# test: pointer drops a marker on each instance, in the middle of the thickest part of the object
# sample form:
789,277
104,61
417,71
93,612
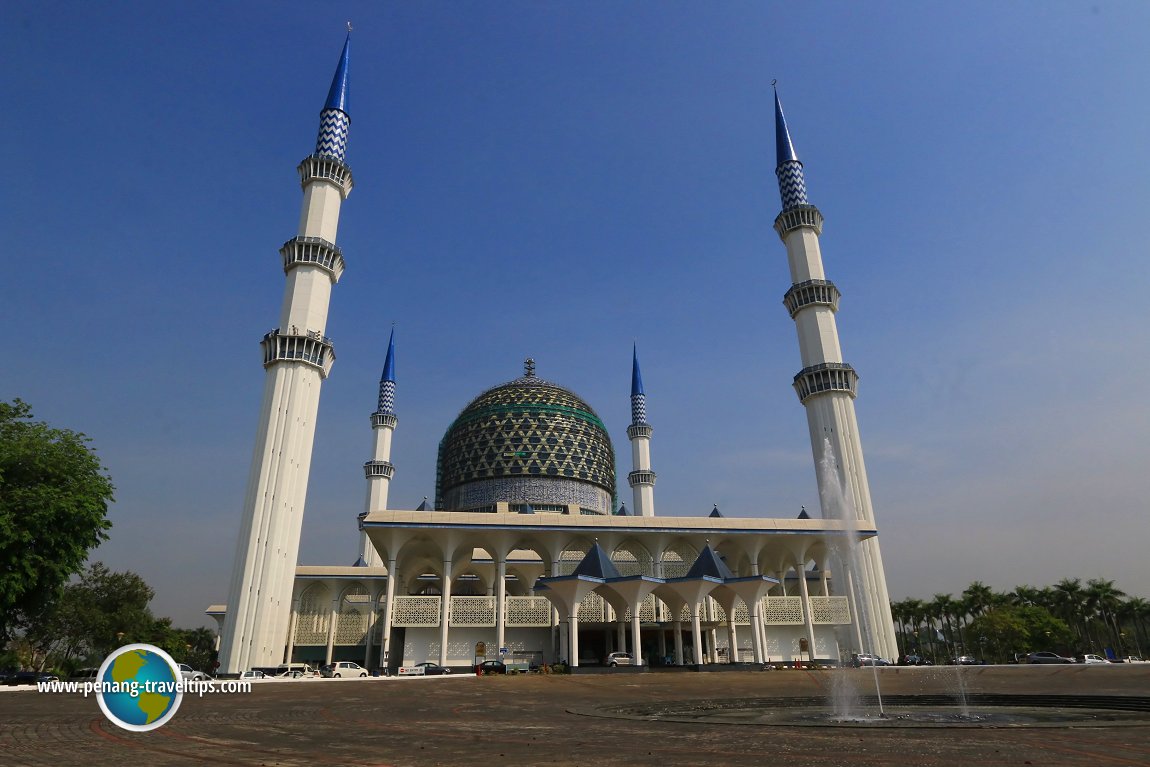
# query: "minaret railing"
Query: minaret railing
327,168
310,347
313,251
811,292
796,218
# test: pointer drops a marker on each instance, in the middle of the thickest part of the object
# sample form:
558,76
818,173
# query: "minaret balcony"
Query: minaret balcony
641,478
309,347
811,292
826,377
325,167
379,420
798,217
378,469
313,251
639,430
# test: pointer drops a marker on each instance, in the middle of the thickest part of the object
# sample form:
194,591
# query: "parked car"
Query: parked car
1047,657
965,660
341,669
433,669
620,659
253,675
914,660
1091,658
30,677
84,675
492,667
866,659
294,670
189,674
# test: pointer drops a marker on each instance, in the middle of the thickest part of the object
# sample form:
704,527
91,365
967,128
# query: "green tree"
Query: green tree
92,616
54,499
1020,629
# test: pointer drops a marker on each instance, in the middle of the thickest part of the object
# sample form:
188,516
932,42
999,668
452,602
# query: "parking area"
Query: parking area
525,720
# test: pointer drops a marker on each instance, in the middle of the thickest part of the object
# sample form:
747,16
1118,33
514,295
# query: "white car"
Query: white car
253,675
1093,659
343,668
620,659
189,674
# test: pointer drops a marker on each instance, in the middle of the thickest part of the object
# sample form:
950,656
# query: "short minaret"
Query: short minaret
297,356
379,469
826,385
642,479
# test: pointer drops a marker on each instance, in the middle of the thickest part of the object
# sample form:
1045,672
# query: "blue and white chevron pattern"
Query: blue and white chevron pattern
387,397
638,408
792,185
333,128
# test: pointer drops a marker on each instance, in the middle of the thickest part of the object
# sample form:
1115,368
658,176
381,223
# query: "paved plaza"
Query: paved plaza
528,720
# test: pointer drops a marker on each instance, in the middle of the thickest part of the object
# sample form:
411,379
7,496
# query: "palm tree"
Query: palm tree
1105,598
1134,612
979,598
1070,605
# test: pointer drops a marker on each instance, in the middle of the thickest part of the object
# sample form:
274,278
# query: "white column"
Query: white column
801,570
389,606
444,613
573,643
331,629
501,603
855,617
679,643
697,633
636,637
732,638
291,630
372,614
757,632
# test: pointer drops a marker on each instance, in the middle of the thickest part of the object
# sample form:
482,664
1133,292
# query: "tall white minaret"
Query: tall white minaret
298,355
826,385
379,469
642,479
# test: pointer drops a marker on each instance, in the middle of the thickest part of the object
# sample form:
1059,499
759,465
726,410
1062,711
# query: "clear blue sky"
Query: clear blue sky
561,179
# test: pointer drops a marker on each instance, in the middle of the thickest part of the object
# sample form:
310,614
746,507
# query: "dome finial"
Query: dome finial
529,368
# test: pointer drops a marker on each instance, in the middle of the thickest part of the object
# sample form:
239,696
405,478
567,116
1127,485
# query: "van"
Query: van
294,670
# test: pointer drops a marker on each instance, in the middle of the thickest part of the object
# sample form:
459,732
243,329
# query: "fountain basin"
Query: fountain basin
914,711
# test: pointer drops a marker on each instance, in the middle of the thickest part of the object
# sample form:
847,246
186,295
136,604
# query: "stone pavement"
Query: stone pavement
526,720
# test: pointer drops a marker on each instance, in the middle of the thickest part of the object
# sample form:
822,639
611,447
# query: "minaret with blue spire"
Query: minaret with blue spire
379,469
297,357
642,479
827,385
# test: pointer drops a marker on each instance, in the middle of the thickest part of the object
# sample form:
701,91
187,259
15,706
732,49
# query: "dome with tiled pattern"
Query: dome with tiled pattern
528,441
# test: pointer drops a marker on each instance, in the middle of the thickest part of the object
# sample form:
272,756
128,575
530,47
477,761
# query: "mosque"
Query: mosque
526,553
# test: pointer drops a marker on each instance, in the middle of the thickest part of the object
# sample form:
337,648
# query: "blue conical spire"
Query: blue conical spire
792,184
784,147
389,364
638,396
337,94
387,380
636,376
334,121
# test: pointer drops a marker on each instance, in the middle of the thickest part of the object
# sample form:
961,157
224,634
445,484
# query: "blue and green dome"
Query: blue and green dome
528,441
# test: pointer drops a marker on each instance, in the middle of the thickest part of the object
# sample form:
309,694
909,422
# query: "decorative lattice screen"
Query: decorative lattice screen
830,610
416,611
472,611
528,611
782,611
314,616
